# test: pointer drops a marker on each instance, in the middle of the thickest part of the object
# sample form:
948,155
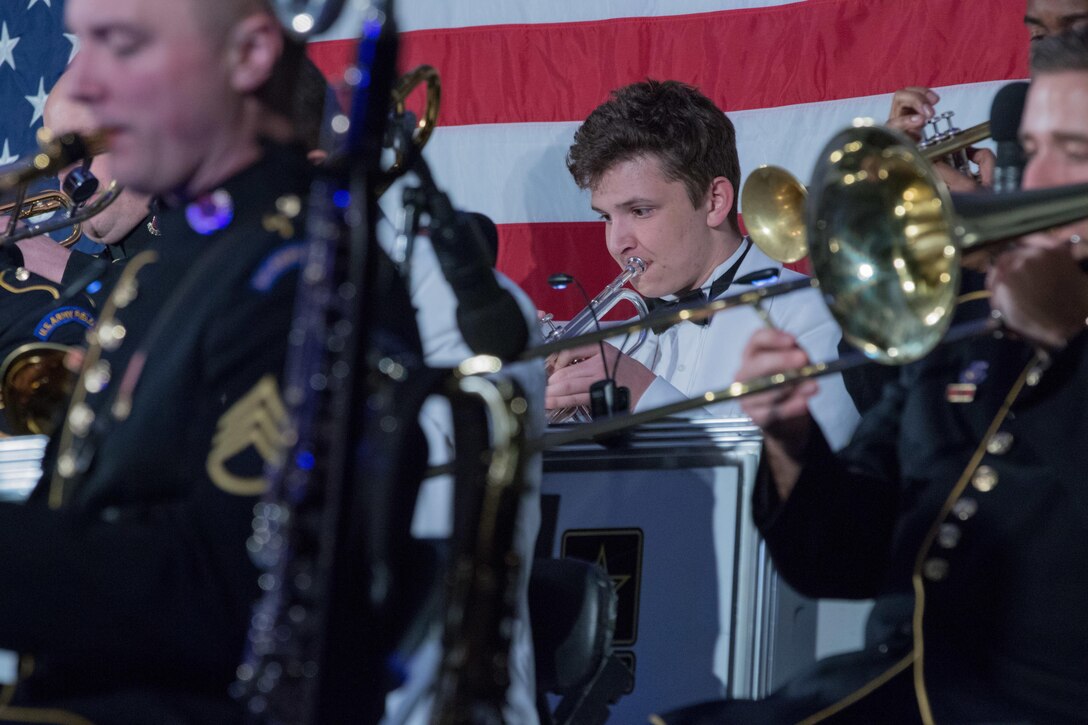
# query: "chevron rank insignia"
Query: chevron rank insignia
251,435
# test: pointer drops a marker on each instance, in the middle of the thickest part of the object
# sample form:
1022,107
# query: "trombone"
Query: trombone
773,199
886,240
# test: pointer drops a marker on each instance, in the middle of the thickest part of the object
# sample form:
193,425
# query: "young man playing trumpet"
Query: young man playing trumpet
960,503
660,161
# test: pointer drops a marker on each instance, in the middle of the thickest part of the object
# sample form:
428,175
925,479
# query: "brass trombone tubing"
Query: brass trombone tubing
81,215
738,390
669,318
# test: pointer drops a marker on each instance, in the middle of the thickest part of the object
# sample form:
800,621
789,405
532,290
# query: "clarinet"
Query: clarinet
315,649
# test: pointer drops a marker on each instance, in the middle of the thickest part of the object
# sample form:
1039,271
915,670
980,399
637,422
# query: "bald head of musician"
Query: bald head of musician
180,86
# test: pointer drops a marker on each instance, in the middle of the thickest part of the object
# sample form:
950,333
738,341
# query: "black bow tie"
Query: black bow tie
697,298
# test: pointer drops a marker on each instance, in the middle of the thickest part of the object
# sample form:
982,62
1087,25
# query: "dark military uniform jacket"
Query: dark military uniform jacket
970,529
127,579
35,310
968,526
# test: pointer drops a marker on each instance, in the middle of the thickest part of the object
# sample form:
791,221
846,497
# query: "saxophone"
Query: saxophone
340,500
482,580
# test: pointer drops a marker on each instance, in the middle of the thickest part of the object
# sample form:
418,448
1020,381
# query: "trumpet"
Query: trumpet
773,199
54,153
589,318
887,239
52,201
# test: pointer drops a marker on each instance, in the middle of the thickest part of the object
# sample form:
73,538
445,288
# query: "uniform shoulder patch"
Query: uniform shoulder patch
249,436
277,263
61,316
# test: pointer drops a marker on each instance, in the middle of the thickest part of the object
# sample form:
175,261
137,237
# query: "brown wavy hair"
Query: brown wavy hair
692,139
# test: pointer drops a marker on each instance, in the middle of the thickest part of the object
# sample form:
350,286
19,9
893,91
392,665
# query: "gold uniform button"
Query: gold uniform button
111,336
999,444
985,479
80,419
935,569
965,508
949,536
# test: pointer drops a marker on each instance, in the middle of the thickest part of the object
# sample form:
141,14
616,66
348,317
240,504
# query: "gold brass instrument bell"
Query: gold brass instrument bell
773,200
34,383
886,240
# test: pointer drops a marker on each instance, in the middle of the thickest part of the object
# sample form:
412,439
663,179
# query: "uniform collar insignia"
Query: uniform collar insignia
209,213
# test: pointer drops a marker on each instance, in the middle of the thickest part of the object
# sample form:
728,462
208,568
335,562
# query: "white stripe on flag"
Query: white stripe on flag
431,14
515,173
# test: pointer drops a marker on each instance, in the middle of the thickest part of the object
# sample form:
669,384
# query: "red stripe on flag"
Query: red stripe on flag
530,253
806,52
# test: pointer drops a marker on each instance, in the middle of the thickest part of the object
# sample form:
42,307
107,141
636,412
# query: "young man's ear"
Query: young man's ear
722,195
256,43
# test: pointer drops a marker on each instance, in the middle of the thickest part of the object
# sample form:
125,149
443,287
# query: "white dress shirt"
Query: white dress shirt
690,359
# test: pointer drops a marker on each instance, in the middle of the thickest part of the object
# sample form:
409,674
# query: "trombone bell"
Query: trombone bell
881,244
773,201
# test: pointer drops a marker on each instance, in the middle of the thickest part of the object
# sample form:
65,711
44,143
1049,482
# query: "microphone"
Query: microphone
488,316
605,397
1005,114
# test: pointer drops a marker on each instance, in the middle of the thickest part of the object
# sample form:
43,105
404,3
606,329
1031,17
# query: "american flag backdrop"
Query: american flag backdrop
519,75
34,49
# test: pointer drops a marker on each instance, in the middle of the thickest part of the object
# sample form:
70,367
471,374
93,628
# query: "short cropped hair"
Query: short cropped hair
1063,52
691,138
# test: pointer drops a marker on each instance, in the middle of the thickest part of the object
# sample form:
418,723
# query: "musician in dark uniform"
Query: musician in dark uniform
50,294
128,584
961,503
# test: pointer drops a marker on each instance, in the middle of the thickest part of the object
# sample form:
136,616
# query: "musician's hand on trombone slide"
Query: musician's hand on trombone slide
572,372
782,413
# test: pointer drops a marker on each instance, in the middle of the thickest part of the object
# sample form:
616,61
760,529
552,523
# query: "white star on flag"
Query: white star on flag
38,101
7,157
49,3
71,38
7,46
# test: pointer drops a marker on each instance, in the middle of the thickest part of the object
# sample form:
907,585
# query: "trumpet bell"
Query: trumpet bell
773,202
882,244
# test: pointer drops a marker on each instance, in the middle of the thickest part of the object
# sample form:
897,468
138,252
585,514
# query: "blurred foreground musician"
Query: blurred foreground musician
129,586
661,163
961,502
